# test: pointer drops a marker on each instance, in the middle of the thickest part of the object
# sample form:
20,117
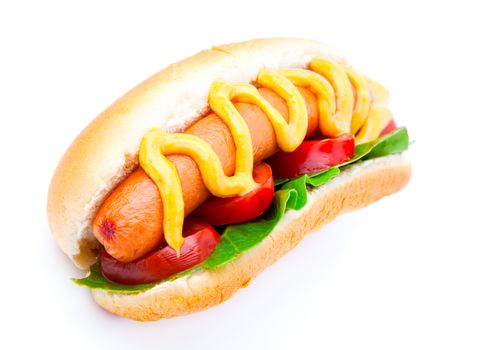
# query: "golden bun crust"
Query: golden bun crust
357,186
106,150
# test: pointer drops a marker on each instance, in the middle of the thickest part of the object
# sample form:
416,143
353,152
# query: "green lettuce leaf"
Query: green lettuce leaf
235,239
239,238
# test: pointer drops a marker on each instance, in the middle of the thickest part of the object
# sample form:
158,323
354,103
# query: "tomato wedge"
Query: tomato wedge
224,211
312,156
200,241
389,128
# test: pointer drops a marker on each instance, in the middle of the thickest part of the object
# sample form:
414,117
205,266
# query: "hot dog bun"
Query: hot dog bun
173,99
106,150
358,186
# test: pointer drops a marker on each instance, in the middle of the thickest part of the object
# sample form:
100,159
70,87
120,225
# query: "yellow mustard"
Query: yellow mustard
347,103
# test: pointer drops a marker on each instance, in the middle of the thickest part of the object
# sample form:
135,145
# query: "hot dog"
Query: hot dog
129,223
184,145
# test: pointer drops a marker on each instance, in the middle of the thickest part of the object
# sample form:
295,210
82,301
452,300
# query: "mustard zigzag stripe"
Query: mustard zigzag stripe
347,103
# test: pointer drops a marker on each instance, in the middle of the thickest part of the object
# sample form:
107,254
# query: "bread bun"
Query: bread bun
106,150
357,186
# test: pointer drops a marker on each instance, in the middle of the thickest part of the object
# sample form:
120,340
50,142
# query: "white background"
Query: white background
400,274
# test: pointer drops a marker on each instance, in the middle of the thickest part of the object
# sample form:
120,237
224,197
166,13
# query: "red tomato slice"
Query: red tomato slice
223,211
389,128
312,157
200,241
